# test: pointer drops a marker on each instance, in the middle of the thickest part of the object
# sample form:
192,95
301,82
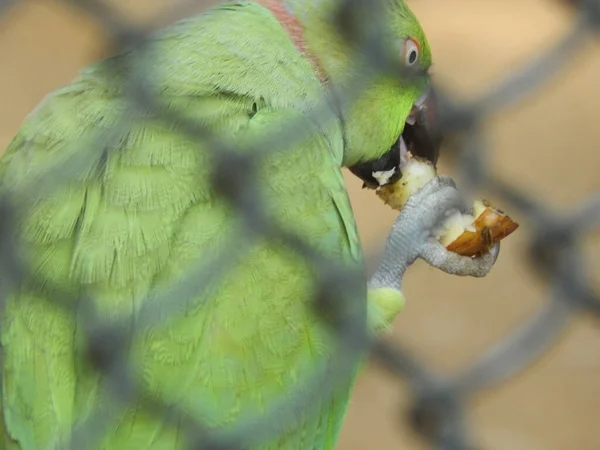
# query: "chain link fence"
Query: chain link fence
438,402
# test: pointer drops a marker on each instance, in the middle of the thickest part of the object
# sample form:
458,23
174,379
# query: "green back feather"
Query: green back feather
140,211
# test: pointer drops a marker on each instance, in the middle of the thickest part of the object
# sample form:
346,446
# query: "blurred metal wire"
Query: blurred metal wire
438,403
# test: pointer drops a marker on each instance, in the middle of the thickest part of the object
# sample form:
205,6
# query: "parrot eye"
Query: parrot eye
411,52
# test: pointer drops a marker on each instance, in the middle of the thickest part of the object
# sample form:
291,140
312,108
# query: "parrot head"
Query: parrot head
392,114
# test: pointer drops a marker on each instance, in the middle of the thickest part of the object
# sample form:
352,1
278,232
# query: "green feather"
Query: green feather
136,217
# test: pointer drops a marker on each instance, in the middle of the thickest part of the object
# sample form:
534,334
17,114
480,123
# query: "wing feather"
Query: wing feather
144,210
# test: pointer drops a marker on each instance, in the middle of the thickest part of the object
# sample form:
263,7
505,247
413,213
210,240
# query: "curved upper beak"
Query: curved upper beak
422,134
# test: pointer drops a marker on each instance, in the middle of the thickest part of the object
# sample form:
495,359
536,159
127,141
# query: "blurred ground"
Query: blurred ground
548,144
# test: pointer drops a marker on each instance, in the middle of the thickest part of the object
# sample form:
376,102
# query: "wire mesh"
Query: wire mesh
437,411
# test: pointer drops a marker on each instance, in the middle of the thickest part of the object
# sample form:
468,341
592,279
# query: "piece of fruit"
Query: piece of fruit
465,234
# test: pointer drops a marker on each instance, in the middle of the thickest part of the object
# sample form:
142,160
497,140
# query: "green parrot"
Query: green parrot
146,203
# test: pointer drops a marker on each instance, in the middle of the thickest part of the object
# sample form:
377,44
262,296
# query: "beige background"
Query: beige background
551,135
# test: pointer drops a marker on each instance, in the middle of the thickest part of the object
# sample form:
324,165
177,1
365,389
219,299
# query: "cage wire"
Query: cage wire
437,410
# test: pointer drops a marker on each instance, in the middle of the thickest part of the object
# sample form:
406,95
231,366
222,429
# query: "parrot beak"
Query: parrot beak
420,137
421,133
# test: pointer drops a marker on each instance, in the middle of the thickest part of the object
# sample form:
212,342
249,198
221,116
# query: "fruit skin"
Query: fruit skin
491,226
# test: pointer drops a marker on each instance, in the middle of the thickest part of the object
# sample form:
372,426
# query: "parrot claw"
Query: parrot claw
436,255
411,237
495,251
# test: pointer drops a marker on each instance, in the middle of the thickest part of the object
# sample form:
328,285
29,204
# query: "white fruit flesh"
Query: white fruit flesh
416,173
465,234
